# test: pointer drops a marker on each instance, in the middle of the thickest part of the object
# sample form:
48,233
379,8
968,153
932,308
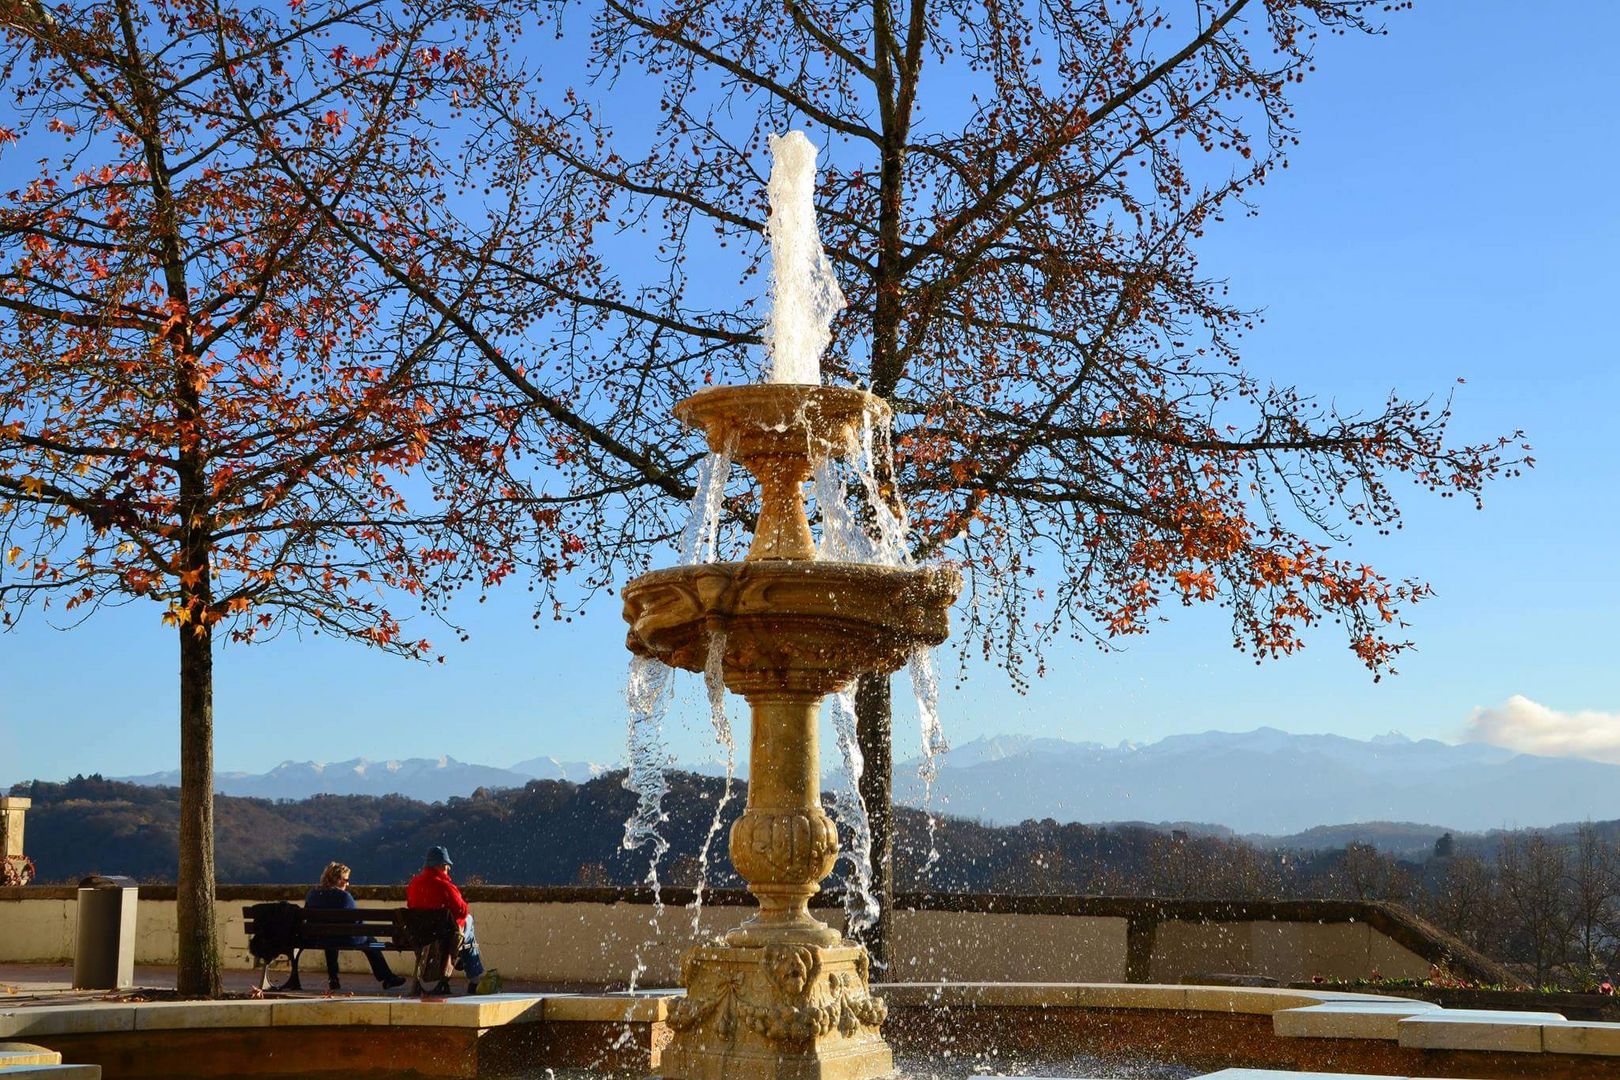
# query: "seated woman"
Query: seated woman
333,893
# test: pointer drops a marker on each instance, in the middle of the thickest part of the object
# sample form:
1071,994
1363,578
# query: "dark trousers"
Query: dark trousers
379,966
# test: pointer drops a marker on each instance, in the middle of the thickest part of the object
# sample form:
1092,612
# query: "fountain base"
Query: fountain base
776,1012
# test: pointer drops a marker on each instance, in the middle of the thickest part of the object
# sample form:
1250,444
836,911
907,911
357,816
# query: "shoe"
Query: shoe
441,990
393,981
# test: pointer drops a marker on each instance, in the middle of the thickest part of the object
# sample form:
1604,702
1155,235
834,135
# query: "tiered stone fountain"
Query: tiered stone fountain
784,996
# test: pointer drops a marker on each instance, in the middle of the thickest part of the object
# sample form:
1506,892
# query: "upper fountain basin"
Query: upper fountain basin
775,419
796,625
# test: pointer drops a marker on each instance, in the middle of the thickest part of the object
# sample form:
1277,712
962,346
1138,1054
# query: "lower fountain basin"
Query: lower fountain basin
815,624
941,1031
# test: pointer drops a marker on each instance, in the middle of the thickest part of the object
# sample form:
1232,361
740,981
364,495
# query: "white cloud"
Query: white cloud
1532,728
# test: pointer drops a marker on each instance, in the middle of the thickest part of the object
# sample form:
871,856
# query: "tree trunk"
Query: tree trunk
197,974
873,729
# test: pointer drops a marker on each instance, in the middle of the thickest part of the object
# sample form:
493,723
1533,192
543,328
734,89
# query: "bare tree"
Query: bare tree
1013,198
1464,903
1369,874
1594,897
1534,874
212,398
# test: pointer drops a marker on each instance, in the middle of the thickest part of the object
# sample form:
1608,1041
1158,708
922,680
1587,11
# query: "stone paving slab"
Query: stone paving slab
197,1015
1227,1074
1281,1074
14,1055
648,1007
78,1019
1259,1001
1477,1029
482,1011
1581,1037
55,1072
1349,1019
332,1012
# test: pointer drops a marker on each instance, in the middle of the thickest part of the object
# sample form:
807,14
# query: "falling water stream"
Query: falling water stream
715,686
646,696
849,809
700,537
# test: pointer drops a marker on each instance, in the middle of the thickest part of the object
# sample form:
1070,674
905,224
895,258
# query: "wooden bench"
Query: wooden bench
286,929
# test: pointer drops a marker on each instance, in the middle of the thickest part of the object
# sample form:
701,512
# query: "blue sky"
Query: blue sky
1450,214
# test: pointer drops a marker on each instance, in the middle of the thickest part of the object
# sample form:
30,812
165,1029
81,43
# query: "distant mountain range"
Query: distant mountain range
1269,782
423,779
1297,790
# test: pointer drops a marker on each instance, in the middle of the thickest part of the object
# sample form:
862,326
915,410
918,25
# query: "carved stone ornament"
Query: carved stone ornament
776,1012
795,847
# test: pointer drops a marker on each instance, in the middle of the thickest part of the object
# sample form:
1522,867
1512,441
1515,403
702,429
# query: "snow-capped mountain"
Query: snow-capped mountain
427,779
1266,781
1261,782
549,768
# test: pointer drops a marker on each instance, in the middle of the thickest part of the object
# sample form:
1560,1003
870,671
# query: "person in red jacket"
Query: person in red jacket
432,890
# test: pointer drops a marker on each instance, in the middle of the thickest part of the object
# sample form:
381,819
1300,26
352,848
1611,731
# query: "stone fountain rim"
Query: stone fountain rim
847,400
787,568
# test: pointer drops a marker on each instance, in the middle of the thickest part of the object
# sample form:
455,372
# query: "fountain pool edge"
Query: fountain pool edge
1206,1027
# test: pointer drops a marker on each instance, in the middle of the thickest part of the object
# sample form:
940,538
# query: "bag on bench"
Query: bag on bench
275,934
434,936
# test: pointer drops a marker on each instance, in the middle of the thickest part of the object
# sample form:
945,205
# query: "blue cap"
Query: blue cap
438,856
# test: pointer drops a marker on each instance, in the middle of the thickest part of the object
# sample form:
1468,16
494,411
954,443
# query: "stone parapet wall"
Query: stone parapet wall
585,936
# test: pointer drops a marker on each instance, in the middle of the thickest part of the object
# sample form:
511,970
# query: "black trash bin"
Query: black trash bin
104,958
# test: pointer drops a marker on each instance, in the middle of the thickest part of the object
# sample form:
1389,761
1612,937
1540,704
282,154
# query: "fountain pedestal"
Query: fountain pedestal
784,996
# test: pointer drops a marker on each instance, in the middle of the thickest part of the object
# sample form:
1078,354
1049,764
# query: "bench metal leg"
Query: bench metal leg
416,975
292,982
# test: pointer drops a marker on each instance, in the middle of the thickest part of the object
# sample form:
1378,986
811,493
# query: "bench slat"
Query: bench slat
333,928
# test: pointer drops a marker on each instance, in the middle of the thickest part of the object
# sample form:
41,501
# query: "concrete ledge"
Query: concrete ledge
1018,994
332,1012
1251,1001
1279,1074
487,1011
1243,1000
1348,1019
14,1055
1577,1037
195,1015
66,1020
648,1007
55,1072
1259,1001
1509,1032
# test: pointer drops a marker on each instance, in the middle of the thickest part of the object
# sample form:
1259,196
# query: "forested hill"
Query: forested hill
554,832
547,833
